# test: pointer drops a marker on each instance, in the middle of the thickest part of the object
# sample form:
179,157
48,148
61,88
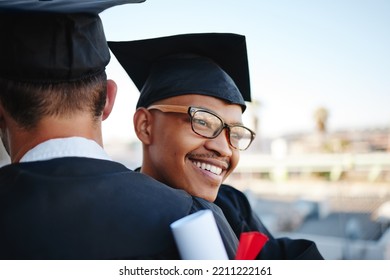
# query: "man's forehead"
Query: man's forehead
194,97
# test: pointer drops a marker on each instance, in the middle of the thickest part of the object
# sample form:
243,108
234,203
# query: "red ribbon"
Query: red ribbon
250,245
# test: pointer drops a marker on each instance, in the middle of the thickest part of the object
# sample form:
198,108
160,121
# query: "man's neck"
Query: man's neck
53,128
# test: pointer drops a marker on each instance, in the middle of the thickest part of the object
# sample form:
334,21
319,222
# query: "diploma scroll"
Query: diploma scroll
198,238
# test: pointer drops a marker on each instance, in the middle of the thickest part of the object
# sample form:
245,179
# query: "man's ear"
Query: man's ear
143,121
110,99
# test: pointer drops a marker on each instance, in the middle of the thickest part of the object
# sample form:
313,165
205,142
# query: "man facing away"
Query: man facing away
62,197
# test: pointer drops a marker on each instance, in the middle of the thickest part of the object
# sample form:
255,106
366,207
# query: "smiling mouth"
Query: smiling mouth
208,167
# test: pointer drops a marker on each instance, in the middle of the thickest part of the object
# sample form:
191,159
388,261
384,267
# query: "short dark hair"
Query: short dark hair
29,102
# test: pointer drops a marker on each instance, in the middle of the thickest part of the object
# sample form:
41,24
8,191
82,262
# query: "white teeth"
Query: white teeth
212,168
216,170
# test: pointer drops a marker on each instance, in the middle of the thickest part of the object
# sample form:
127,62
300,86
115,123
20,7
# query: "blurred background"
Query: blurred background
320,165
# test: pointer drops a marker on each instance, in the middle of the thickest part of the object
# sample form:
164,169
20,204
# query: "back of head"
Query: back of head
28,102
52,53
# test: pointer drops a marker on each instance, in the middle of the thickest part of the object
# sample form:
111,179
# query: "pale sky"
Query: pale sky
302,54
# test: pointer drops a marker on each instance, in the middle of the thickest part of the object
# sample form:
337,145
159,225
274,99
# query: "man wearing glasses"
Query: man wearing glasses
205,147
189,120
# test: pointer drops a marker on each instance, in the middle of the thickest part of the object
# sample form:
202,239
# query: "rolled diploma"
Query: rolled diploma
198,238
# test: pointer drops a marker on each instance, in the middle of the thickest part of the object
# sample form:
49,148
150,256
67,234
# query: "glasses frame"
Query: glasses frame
191,110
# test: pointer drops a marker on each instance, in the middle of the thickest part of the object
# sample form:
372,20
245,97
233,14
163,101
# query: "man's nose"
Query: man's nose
220,144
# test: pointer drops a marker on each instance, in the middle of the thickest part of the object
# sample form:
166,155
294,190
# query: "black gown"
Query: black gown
83,208
241,218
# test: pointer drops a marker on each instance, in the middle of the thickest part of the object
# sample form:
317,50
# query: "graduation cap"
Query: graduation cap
213,64
53,40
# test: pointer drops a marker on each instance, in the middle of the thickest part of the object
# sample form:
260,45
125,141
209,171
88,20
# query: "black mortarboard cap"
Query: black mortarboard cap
53,40
213,64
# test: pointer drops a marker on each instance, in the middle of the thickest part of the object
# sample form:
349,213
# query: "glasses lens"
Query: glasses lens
206,124
240,137
209,125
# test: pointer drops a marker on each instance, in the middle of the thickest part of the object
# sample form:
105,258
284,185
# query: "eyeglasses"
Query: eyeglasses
210,125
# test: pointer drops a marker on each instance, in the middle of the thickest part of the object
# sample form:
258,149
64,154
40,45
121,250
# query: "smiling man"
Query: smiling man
189,119
195,142
189,114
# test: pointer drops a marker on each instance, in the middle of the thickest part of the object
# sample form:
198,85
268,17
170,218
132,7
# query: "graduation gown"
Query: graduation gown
83,208
241,218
